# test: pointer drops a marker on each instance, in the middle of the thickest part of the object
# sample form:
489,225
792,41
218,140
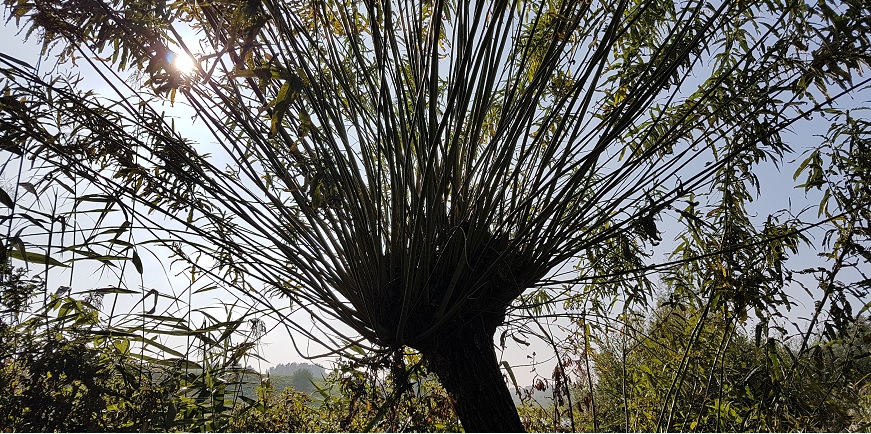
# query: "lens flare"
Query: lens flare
182,62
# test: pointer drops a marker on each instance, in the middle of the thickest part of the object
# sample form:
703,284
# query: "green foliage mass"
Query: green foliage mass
62,374
58,375
62,371
731,383
718,378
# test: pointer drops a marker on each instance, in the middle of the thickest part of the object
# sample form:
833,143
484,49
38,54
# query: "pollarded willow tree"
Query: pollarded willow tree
410,169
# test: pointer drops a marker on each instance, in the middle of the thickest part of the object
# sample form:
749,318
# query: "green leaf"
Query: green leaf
5,199
183,363
29,187
153,343
137,262
163,318
511,375
281,103
122,345
824,203
112,333
322,391
35,258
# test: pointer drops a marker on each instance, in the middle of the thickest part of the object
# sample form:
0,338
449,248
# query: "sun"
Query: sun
182,62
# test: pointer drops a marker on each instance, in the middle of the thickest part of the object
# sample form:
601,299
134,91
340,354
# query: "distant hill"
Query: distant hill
316,371
298,376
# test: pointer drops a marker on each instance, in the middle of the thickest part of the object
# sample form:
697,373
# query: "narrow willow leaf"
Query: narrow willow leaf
35,258
163,318
153,343
511,375
5,199
29,187
137,262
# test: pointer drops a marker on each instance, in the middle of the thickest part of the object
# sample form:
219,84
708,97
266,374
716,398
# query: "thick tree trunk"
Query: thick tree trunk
466,364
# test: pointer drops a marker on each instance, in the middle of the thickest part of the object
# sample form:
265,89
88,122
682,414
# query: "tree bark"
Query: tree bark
465,362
